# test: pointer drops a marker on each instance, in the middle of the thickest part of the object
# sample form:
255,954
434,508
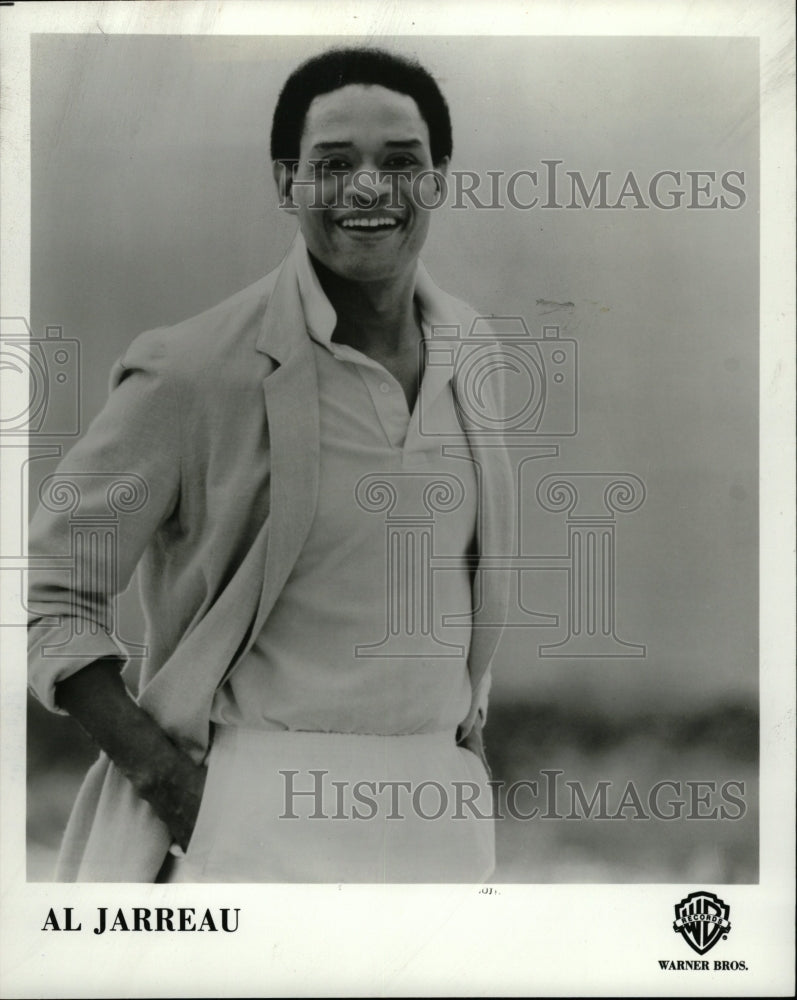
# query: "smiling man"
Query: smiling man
312,701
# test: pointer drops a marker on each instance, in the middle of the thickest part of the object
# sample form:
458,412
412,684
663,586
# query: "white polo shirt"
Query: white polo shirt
311,667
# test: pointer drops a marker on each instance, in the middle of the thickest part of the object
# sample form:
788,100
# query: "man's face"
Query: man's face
364,148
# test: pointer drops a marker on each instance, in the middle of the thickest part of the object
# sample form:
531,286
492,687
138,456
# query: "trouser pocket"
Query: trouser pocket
210,809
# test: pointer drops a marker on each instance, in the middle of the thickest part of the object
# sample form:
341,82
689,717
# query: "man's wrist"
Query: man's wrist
99,701
161,772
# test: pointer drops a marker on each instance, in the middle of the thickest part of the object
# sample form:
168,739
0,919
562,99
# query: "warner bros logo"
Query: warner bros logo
702,920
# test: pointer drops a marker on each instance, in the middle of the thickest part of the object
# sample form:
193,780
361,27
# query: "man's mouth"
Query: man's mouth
370,223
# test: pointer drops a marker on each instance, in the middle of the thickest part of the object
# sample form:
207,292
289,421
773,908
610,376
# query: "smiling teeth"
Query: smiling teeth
367,223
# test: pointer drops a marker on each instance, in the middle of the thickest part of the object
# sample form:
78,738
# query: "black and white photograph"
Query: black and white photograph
397,533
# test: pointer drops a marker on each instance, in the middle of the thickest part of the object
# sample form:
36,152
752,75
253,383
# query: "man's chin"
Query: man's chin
371,265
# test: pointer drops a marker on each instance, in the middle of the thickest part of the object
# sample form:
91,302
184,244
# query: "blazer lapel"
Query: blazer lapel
291,397
292,411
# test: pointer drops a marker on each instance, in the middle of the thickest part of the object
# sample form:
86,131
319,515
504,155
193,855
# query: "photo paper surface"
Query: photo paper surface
615,214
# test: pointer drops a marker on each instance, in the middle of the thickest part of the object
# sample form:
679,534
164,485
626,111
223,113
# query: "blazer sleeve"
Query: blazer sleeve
97,513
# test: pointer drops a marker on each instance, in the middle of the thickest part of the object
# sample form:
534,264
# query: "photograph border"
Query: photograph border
410,940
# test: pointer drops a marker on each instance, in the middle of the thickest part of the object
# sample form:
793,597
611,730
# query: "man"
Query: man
252,434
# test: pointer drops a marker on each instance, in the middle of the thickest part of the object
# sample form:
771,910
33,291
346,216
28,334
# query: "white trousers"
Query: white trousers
329,807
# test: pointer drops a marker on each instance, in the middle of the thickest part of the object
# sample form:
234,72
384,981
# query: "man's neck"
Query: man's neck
375,317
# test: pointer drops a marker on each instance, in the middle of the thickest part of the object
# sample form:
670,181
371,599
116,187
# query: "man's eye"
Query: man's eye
400,162
334,163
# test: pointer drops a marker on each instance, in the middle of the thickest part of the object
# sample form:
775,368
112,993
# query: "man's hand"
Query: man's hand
474,742
176,796
159,771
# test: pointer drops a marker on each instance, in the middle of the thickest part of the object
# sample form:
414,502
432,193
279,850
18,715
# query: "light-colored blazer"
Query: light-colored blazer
213,425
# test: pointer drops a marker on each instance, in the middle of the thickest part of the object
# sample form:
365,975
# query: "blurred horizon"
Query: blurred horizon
522,741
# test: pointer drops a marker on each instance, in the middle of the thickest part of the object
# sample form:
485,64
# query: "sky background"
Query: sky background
152,200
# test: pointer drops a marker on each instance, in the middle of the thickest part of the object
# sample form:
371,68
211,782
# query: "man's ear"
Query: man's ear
283,177
442,166
441,170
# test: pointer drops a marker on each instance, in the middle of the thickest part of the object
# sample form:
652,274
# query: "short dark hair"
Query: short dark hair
340,67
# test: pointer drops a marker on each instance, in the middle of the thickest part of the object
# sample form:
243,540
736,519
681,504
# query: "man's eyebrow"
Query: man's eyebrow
343,144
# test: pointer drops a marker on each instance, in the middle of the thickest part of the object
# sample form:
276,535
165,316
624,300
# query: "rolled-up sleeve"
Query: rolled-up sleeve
97,514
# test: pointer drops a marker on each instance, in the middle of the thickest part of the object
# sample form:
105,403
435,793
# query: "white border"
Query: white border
527,940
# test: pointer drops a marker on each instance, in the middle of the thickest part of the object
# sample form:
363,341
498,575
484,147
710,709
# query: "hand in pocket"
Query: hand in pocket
177,799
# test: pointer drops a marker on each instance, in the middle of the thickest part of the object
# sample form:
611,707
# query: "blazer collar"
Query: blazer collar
281,333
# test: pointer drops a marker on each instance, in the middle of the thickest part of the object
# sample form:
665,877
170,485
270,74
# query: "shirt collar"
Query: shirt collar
320,316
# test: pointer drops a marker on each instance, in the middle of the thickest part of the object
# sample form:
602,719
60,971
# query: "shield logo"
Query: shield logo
702,920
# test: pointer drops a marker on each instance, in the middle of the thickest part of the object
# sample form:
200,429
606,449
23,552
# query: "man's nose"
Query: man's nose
366,188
